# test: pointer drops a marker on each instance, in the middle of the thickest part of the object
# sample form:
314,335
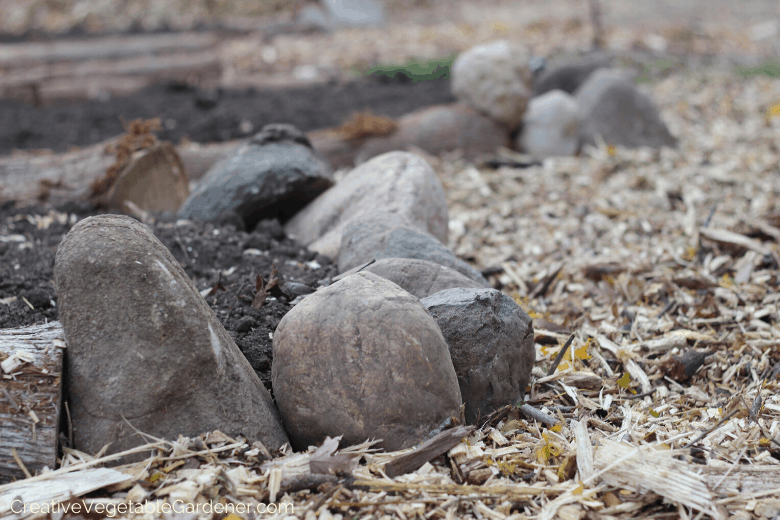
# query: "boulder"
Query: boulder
491,341
419,278
441,129
145,351
401,183
153,179
383,235
551,126
569,73
361,358
612,107
495,79
273,175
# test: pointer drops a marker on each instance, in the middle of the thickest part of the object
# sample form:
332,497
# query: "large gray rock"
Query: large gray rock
612,107
441,129
569,73
383,235
361,358
273,175
495,79
551,126
144,348
397,182
491,341
419,278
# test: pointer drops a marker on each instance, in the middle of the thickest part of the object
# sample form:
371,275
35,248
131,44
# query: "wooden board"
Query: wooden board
113,47
30,398
88,68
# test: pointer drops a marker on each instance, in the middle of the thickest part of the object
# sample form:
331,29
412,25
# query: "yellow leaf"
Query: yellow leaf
556,428
154,478
611,150
774,111
563,366
654,413
582,352
578,490
624,381
232,516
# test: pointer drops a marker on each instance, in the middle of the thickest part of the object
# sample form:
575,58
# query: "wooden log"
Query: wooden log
43,72
27,177
30,392
153,180
89,79
427,451
64,176
168,66
23,54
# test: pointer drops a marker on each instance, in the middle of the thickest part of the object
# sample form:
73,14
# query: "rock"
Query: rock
273,175
361,358
383,235
612,107
568,74
354,12
420,278
495,79
338,151
154,179
144,346
341,144
440,129
491,341
551,126
396,182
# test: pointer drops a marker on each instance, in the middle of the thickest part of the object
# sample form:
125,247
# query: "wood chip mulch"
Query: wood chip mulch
664,267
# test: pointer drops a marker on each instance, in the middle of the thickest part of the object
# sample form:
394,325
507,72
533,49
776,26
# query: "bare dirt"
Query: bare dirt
210,115
211,255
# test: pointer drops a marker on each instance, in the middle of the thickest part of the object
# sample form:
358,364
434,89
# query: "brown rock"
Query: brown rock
144,348
491,341
419,278
440,129
361,358
154,179
398,182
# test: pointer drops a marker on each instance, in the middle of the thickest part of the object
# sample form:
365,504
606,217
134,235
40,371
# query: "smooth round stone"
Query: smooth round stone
363,359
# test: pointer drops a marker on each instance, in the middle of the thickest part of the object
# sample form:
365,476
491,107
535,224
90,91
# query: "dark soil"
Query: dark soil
211,115
210,254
